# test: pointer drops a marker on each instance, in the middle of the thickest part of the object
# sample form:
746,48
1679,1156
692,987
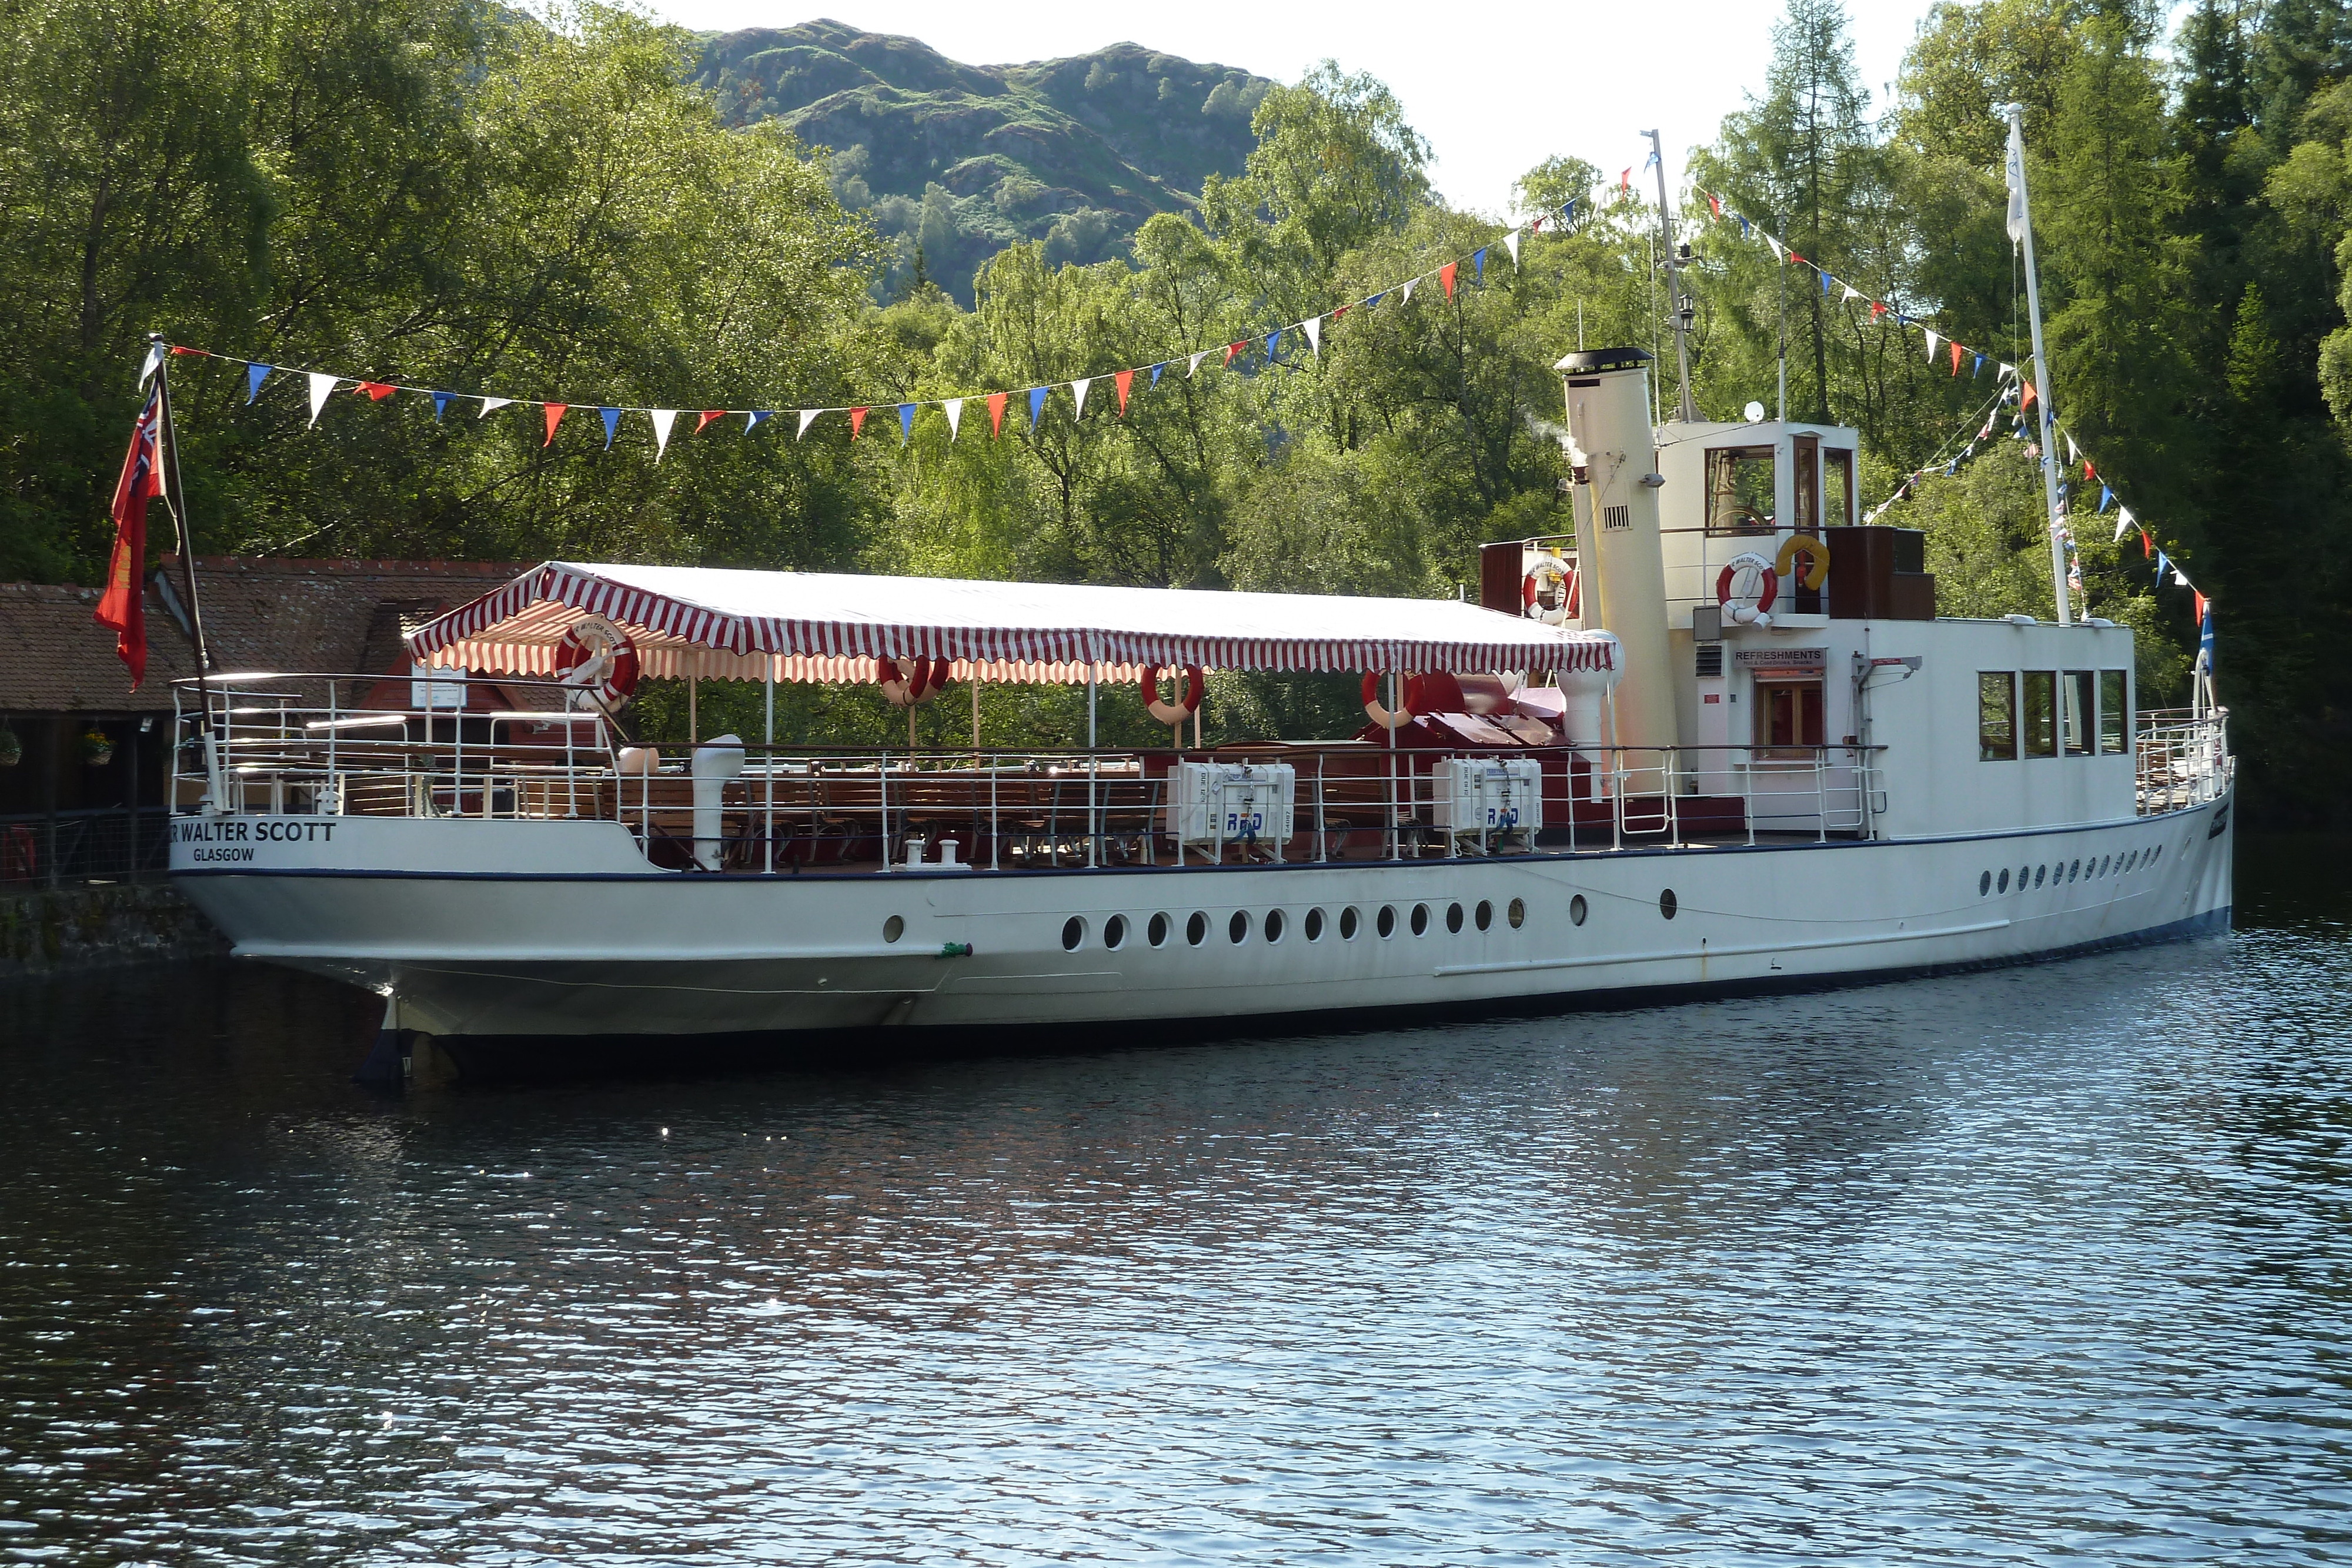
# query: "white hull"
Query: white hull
578,937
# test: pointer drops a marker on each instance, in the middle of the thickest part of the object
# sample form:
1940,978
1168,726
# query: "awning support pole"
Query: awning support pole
1094,816
767,739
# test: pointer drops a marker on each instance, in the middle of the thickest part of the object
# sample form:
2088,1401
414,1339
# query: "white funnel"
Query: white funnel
1617,545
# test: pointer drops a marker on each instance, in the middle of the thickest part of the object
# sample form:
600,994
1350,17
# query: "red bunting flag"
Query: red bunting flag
709,416
1446,276
996,413
2146,546
1716,202
2028,402
1878,311
1124,379
1536,227
554,418
1626,183
856,423
1796,261
1231,349
123,606
375,391
1955,359
2088,473
1343,310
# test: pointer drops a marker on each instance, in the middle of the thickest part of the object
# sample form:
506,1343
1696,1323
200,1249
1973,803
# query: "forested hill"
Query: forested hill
963,161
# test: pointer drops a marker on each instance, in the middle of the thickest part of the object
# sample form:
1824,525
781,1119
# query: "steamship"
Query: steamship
1718,742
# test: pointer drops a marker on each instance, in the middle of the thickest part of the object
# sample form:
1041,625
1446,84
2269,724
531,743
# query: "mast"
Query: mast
2021,229
1677,301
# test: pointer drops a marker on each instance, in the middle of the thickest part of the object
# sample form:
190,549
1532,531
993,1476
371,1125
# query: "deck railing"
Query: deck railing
283,744
2183,759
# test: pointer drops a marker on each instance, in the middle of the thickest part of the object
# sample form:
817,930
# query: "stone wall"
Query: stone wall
97,925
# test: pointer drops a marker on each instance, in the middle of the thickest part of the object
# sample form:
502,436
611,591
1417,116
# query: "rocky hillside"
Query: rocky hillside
957,161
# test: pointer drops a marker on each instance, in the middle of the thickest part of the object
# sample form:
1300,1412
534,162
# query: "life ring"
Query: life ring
1817,559
1196,686
1739,609
1385,717
599,660
925,680
1531,592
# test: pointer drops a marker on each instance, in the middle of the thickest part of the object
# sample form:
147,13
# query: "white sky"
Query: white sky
1495,87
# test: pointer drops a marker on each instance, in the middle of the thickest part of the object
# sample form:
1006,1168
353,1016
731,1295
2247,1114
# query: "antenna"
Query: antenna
2021,229
1677,300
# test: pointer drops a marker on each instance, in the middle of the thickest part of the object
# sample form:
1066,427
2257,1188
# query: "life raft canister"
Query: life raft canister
1816,552
1196,686
924,679
1743,609
1386,718
600,660
1553,571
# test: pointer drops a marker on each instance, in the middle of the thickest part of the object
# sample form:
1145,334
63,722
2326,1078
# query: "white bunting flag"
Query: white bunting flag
1079,387
1932,341
954,406
1194,369
322,387
663,419
487,403
2074,453
1313,328
1851,292
1407,290
1775,245
808,417
2180,579
147,366
1511,243
2122,523
2006,371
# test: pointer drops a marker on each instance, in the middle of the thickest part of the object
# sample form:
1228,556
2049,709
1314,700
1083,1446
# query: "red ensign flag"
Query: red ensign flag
123,606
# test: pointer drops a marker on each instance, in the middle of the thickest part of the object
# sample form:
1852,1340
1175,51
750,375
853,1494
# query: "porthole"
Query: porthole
1274,925
1576,911
2004,879
1196,930
1454,918
2158,855
2074,871
1421,919
1074,931
1516,914
1485,914
1984,885
1313,924
1156,931
894,928
2106,865
1237,928
1668,903
2024,874
2038,873
1385,921
1115,931
1348,924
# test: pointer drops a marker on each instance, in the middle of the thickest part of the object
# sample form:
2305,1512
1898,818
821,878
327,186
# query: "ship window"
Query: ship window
1997,717
1074,931
1788,713
1576,911
1156,931
1739,498
2024,874
2040,872
1668,903
2076,713
1314,925
1385,922
1837,487
1454,918
2115,713
2004,879
1516,914
2074,871
1196,930
1485,915
1421,919
894,928
1274,925
1237,928
1115,931
1984,885
1348,924
2040,717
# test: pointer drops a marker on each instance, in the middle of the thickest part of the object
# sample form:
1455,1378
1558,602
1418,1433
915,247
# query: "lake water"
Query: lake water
2050,1264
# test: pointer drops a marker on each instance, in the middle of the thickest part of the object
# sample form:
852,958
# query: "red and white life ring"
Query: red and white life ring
1196,686
1385,717
600,660
1744,609
1555,572
925,679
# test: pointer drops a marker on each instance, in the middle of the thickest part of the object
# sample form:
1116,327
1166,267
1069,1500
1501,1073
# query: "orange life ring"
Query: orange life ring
1196,686
925,680
599,659
1384,717
1737,609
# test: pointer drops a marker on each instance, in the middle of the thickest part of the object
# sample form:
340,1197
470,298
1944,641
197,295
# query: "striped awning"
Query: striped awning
829,626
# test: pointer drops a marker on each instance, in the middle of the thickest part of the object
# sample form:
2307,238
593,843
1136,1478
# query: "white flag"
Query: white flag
1079,387
808,417
663,419
2016,182
1194,369
2122,523
1775,245
1511,243
954,406
1932,341
322,387
491,402
2074,453
1313,328
2180,579
147,366
1851,292
1407,290
2008,371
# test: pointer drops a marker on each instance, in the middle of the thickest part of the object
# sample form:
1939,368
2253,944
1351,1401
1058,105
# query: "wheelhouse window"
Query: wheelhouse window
2039,719
1788,715
1739,490
1805,490
2115,713
1997,715
1837,487
2078,695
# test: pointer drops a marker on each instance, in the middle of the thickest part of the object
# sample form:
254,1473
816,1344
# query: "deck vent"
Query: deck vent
1710,660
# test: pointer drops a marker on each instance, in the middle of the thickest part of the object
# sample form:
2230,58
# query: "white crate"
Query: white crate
1232,801
1487,795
